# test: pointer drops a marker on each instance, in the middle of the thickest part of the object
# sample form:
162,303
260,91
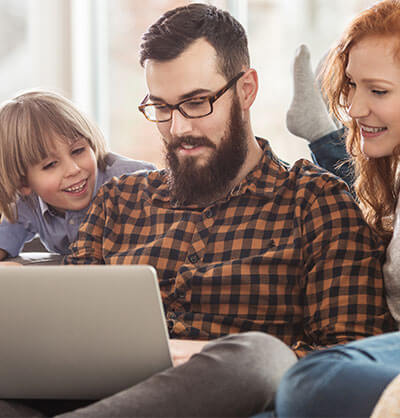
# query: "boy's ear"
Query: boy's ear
247,88
25,190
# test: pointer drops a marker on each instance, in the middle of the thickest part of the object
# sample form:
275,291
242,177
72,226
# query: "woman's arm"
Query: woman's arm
391,269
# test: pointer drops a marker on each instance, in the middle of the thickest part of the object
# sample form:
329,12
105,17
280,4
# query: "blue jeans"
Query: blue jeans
342,381
329,152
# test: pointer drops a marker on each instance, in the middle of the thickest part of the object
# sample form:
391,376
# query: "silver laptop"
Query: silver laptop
79,332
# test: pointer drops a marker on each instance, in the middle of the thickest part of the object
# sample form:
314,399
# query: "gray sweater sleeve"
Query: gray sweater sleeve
391,270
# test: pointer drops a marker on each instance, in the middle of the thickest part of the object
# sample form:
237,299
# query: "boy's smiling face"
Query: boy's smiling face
66,179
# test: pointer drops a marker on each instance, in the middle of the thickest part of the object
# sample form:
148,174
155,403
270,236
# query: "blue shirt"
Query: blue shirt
57,232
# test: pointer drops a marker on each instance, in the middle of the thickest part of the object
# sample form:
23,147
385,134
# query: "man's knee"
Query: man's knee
257,361
252,348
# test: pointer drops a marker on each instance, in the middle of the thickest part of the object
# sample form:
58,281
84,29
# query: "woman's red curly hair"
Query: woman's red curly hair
377,180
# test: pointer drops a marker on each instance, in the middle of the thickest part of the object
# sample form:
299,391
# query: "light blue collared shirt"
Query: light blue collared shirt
35,217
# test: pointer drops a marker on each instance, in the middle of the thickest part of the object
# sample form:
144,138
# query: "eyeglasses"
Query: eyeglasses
192,108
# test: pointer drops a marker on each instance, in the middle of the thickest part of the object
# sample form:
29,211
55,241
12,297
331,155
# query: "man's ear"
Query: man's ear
247,88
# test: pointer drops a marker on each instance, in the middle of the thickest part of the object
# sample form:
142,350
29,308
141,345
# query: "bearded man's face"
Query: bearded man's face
195,179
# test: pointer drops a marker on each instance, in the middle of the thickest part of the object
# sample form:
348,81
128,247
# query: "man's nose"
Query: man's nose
180,125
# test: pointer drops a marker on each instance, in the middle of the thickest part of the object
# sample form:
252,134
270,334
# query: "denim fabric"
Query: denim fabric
329,152
343,381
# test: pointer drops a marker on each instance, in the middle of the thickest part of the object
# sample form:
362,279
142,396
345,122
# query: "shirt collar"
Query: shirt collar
263,178
101,178
45,208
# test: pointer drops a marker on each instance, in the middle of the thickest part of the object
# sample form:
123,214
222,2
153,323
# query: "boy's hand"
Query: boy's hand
3,254
9,263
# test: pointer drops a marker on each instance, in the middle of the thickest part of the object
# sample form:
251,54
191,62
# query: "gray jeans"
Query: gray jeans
233,376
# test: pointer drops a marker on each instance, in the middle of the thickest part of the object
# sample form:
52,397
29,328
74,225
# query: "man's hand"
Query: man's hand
182,350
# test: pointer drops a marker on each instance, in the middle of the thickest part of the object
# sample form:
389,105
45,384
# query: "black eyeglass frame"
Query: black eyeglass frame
211,100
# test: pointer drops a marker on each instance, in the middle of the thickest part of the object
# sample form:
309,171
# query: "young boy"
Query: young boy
52,162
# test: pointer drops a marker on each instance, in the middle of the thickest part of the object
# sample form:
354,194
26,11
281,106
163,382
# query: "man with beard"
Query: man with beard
192,182
240,241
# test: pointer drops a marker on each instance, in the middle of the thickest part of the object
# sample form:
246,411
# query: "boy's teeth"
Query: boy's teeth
372,130
76,188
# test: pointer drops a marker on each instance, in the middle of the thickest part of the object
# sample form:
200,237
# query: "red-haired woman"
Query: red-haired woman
362,85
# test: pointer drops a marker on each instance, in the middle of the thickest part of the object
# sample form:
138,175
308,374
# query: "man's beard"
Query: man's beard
193,184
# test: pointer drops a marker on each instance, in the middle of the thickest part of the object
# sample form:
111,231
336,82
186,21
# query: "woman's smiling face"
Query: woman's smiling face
373,101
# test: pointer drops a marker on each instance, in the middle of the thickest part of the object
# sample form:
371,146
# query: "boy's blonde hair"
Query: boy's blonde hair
29,123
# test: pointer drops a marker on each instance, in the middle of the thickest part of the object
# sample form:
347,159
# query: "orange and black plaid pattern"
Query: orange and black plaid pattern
286,252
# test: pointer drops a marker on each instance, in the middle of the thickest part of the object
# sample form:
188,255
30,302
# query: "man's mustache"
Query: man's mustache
198,141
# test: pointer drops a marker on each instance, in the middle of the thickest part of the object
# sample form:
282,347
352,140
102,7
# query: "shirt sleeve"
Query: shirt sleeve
14,235
119,165
343,284
391,269
88,247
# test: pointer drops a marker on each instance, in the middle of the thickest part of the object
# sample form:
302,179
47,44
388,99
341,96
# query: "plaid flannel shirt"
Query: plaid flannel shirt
286,252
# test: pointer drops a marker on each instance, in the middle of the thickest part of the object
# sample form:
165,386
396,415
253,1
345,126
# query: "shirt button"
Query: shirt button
180,293
209,213
236,190
193,258
171,315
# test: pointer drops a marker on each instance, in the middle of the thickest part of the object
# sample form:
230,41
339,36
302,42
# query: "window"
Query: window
130,134
275,29
88,51
13,47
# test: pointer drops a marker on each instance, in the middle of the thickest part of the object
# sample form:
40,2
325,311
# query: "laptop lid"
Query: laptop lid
79,332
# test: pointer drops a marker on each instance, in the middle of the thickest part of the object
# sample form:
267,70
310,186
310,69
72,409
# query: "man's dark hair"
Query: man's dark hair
177,29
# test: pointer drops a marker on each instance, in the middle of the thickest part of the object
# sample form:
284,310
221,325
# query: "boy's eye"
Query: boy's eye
49,165
78,151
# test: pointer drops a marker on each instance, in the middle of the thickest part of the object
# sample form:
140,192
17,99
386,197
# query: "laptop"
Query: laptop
79,332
